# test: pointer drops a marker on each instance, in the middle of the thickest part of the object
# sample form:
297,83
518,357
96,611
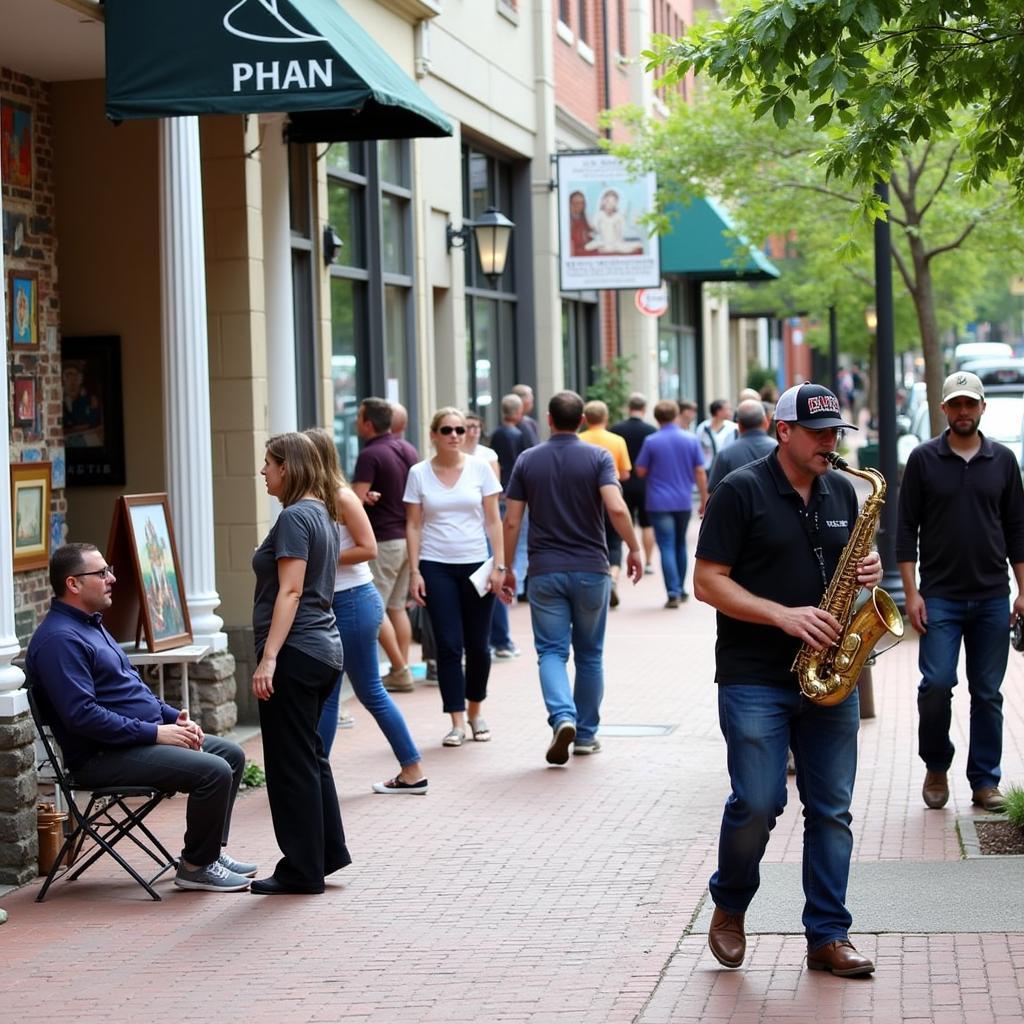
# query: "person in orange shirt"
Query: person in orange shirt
596,415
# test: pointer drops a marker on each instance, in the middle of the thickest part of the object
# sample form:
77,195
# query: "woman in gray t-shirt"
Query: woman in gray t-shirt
300,658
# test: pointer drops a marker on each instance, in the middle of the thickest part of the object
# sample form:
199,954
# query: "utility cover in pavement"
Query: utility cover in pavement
635,730
910,897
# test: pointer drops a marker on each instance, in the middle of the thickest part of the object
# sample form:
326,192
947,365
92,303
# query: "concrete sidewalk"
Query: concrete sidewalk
518,892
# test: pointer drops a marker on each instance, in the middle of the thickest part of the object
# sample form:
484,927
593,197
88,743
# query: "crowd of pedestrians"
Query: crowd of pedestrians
461,535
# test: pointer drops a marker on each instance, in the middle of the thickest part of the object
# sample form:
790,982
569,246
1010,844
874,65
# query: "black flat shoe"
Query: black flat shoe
270,886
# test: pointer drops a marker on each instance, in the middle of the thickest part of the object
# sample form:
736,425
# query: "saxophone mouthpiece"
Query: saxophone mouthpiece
837,460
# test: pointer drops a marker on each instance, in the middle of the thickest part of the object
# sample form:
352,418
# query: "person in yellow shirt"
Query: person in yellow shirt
595,414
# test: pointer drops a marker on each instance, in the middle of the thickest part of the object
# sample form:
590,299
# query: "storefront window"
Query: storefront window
677,345
371,282
579,343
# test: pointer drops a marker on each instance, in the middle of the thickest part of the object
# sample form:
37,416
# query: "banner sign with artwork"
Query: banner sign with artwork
603,245
150,595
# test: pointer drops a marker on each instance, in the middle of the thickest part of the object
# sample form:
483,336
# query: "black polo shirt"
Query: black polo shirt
967,516
757,524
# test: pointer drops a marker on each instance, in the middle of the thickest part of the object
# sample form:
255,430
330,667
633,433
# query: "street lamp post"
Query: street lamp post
885,361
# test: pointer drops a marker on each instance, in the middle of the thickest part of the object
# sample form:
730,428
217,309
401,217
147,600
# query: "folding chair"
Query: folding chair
106,820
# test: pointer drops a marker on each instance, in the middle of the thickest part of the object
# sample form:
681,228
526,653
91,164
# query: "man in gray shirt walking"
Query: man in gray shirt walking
752,444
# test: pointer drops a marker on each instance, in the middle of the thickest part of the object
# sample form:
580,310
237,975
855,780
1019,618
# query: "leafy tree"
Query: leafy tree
944,241
879,77
612,385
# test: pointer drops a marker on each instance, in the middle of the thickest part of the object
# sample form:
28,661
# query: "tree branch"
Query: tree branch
901,265
955,244
942,181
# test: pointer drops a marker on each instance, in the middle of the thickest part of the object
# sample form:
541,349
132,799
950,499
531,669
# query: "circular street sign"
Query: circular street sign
652,301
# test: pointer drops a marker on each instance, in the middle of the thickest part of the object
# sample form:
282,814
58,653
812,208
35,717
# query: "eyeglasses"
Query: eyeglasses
107,570
839,433
451,430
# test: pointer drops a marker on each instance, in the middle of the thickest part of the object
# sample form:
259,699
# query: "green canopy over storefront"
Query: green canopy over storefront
702,244
306,58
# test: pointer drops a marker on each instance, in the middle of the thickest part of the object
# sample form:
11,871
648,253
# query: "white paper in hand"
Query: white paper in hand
481,576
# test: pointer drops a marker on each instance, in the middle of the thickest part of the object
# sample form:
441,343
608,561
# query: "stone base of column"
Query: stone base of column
211,688
19,844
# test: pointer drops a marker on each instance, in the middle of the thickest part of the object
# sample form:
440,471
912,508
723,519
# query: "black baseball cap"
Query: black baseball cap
812,406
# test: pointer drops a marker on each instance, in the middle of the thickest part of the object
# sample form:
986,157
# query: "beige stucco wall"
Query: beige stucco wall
108,262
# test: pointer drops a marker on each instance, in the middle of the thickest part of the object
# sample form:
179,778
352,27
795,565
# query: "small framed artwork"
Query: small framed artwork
91,410
16,146
15,229
24,289
30,514
142,525
25,402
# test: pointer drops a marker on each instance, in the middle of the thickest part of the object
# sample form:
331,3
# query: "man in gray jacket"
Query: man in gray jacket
752,444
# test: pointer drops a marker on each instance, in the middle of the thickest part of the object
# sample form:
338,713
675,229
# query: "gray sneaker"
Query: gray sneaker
587,746
399,680
237,866
212,878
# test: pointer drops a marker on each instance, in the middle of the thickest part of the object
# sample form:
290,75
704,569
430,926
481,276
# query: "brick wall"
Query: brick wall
28,210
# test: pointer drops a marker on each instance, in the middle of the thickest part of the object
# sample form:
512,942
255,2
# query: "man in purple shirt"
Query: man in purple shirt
567,485
113,731
379,482
671,460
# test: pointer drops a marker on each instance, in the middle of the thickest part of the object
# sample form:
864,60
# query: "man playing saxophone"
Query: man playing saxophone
772,537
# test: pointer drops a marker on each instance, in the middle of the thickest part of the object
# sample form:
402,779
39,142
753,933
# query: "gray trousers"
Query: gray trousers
210,777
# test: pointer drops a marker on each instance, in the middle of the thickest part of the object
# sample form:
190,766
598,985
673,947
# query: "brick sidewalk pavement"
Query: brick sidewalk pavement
518,892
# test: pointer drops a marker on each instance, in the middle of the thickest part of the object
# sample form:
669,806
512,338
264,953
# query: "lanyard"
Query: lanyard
812,528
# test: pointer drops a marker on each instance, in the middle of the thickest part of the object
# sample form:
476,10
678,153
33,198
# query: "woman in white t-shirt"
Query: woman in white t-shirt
359,611
451,506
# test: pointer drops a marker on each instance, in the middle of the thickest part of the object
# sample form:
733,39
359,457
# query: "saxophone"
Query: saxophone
828,677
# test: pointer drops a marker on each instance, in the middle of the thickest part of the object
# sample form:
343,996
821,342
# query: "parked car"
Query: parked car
968,350
997,371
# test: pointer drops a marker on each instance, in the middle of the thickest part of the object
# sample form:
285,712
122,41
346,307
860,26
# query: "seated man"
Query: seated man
113,731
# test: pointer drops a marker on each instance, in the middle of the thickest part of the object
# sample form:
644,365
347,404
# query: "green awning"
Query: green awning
306,58
702,244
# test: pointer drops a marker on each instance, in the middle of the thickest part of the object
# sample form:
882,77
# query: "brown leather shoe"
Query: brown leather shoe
726,938
935,789
841,959
989,798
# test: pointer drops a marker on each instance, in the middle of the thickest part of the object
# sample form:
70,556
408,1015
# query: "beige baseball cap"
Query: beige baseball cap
963,383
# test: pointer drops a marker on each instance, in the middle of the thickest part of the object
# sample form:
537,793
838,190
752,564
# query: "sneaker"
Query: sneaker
346,721
672,602
558,749
398,680
212,878
648,569
507,653
397,786
237,866
431,676
587,746
613,598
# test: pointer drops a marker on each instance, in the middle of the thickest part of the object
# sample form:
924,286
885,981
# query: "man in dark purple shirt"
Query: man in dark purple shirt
568,485
113,731
379,482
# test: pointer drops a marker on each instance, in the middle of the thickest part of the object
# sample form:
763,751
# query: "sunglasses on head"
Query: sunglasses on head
451,430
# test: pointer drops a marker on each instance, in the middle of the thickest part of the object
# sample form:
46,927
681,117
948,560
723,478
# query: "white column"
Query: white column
12,697
282,405
186,373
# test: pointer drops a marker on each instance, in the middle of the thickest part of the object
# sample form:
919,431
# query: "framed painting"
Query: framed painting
15,228
24,297
30,514
16,146
91,410
25,402
161,588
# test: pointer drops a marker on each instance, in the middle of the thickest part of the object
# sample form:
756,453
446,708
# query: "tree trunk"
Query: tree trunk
931,343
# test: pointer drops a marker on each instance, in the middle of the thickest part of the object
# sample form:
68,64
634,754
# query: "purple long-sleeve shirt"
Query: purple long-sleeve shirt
97,697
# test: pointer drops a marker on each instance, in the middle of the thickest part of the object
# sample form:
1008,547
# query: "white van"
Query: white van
980,350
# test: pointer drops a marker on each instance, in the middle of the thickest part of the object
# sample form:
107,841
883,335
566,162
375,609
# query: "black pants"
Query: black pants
462,622
210,777
300,786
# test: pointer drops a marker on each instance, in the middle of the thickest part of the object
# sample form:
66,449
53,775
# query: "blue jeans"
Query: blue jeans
670,533
359,613
984,628
564,607
462,622
759,723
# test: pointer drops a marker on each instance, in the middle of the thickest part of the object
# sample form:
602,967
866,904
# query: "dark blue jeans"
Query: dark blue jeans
759,724
983,626
462,623
359,612
670,533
